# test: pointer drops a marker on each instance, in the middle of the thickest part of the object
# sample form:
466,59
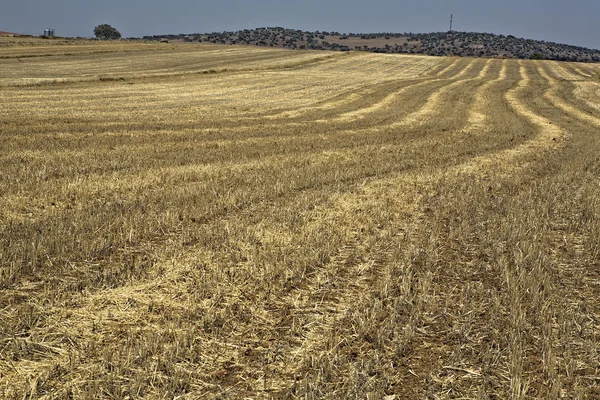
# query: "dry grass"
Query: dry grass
298,225
97,60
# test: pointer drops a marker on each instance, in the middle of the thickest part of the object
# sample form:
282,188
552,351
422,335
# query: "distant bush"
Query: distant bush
537,56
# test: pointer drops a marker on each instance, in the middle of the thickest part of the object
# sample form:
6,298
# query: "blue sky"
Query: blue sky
574,22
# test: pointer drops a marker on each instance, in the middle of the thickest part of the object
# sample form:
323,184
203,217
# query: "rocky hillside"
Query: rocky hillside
453,43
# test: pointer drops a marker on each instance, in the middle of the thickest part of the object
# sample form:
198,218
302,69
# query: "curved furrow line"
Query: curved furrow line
222,96
268,153
557,70
477,113
221,112
548,137
265,150
391,98
373,87
385,102
118,136
348,94
562,71
589,93
558,102
333,103
569,70
471,66
433,102
594,70
274,141
586,90
198,126
581,71
234,138
444,69
355,95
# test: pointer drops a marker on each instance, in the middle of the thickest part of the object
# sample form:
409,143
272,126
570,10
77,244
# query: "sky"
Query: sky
573,22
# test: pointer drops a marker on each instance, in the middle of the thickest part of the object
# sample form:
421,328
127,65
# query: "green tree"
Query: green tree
106,32
536,56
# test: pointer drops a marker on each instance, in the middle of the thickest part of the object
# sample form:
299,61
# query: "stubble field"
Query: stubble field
195,221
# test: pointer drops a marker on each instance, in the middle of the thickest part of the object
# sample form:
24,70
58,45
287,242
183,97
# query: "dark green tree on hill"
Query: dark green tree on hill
106,32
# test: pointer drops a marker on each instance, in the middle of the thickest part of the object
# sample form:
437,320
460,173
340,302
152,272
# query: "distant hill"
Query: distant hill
2,33
467,44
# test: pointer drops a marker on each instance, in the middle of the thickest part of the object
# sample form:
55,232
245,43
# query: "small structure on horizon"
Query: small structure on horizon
49,32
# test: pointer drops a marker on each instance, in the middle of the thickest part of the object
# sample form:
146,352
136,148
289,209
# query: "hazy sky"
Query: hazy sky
573,22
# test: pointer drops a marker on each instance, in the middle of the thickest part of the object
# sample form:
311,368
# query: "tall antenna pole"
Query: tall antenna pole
451,22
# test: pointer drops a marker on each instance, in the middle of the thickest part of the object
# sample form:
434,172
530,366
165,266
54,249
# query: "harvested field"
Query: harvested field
198,221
